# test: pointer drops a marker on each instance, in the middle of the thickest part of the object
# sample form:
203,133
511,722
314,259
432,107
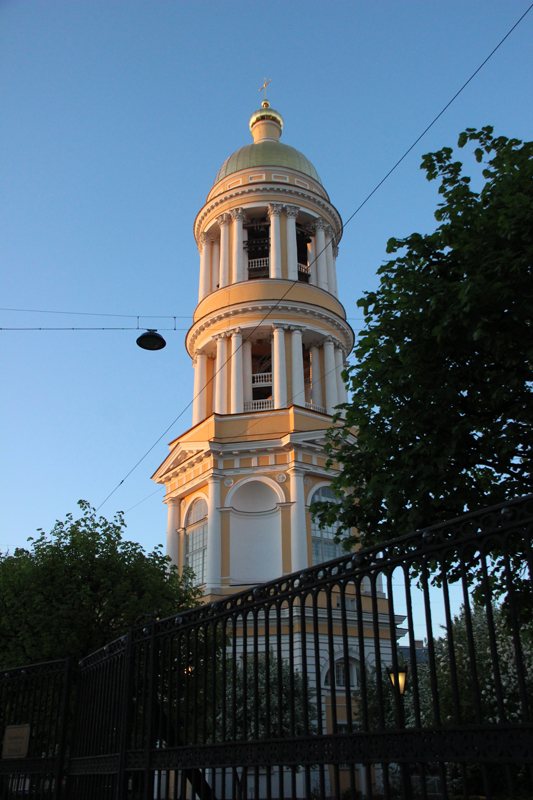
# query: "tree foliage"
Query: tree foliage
477,690
268,699
81,586
442,387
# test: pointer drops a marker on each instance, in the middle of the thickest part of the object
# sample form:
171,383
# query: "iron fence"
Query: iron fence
292,689
34,703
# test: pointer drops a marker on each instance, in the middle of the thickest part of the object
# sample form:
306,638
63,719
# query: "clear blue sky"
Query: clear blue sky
115,119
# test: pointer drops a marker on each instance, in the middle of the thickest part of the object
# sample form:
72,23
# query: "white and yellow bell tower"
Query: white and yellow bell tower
268,343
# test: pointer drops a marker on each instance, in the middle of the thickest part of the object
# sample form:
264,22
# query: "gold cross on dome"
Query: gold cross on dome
264,86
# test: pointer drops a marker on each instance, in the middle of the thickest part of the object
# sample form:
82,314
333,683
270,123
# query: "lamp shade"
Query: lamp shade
398,678
151,340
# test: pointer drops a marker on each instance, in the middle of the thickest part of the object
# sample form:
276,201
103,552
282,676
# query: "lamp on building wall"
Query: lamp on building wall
398,678
151,340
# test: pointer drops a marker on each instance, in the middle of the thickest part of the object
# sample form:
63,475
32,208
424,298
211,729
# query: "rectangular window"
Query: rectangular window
195,552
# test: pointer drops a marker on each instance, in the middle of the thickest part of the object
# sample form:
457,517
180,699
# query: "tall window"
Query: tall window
324,548
343,670
196,540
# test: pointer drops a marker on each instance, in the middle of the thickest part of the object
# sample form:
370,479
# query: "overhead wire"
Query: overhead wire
87,329
95,314
341,229
244,430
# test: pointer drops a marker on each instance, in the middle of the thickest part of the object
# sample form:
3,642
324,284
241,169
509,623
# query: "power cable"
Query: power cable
95,314
88,329
343,226
143,500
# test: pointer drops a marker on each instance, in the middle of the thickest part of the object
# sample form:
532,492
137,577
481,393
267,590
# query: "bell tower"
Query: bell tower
268,343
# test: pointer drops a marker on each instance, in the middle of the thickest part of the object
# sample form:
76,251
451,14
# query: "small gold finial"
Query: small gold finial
265,102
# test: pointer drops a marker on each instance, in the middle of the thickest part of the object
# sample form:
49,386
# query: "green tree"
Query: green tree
80,587
476,701
442,388
267,701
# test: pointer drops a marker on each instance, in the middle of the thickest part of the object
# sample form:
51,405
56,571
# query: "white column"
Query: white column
237,216
210,409
339,366
196,393
316,377
223,222
274,210
298,386
299,556
330,375
247,370
335,251
205,266
236,393
311,255
330,261
200,380
291,212
280,372
215,264
173,521
214,546
321,260
220,376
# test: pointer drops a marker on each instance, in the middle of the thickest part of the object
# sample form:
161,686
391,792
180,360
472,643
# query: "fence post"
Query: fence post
63,725
121,788
148,790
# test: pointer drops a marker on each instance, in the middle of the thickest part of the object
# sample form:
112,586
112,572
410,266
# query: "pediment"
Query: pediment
181,453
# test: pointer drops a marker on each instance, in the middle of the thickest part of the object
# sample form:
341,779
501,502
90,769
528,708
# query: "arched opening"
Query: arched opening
258,247
196,540
346,674
324,548
261,374
255,533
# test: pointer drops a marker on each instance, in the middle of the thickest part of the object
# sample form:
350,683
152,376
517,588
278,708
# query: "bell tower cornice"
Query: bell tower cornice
259,193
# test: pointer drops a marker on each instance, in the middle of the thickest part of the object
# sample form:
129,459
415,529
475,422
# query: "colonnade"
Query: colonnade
232,381
224,258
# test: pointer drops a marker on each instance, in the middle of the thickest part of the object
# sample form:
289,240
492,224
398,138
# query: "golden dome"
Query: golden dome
266,113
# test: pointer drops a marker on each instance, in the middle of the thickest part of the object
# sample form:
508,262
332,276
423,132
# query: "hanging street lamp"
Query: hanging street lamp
151,340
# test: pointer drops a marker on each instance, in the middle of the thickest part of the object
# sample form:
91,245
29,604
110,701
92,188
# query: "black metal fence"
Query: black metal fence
34,704
293,689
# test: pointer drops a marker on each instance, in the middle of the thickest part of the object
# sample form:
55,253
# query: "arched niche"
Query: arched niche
255,531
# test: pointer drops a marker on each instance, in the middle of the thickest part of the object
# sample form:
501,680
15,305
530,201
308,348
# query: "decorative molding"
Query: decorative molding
308,481
274,209
292,211
281,478
255,189
238,213
321,224
335,251
228,482
341,327
224,220
204,239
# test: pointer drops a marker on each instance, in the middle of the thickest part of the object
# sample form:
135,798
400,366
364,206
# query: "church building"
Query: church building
268,344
